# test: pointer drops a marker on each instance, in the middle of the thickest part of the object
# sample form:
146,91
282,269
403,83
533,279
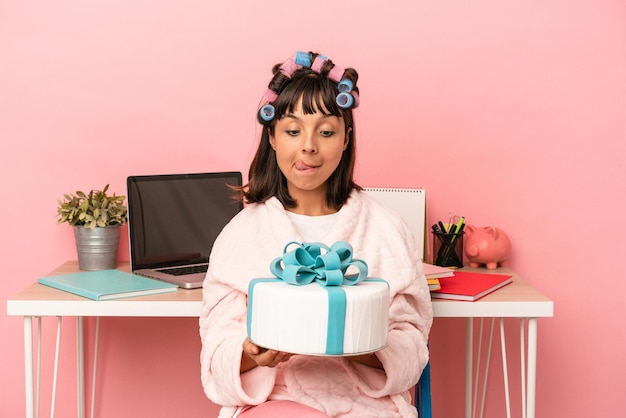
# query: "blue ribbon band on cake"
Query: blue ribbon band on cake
326,266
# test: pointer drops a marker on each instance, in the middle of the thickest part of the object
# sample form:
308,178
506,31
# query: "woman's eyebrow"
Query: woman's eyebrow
293,116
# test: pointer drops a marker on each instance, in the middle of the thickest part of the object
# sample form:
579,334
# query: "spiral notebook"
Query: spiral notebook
410,204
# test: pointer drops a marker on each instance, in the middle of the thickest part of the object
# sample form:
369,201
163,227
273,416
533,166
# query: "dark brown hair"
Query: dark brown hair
318,95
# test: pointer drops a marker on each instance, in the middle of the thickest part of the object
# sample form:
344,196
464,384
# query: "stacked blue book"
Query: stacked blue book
107,284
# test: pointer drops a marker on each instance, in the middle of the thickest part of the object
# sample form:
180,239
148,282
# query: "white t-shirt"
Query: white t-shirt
312,228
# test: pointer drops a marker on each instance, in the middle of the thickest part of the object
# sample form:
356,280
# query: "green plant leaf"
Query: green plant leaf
95,209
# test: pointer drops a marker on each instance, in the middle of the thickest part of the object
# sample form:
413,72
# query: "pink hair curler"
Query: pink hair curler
317,64
289,67
336,73
269,96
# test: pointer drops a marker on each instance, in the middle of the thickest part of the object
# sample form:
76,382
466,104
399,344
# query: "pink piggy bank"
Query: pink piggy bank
487,245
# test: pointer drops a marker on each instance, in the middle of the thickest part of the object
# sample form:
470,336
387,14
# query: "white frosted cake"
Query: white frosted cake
316,319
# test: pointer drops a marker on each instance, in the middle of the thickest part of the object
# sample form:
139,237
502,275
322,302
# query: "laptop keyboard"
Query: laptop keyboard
181,271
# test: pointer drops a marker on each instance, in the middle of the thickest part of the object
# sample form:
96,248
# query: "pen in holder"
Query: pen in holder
448,248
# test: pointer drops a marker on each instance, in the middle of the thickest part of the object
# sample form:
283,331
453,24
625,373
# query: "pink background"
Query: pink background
511,113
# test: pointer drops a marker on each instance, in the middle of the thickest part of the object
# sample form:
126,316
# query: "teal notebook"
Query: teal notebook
107,284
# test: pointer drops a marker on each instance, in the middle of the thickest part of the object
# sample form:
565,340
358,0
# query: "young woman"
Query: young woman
301,188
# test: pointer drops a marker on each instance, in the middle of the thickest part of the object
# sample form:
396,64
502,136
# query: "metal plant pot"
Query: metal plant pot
97,247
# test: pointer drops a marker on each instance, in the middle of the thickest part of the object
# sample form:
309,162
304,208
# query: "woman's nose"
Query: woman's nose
309,143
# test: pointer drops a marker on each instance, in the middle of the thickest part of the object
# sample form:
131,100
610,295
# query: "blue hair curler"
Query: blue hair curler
267,112
303,59
345,100
345,86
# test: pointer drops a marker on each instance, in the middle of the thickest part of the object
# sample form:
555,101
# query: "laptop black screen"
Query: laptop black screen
175,218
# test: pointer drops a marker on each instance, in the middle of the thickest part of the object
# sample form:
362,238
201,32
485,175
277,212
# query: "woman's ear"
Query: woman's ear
272,139
346,141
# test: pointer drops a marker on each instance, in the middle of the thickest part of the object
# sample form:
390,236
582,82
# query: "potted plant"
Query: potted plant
96,218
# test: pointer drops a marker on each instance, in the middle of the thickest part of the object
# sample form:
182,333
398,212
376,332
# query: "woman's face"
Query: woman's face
308,150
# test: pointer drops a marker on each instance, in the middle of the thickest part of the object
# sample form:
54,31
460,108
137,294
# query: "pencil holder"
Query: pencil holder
448,249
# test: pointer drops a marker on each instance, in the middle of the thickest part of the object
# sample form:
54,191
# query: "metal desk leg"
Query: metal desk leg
80,367
469,338
532,367
529,386
505,369
28,366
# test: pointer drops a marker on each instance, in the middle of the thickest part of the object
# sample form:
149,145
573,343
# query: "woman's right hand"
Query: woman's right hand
254,356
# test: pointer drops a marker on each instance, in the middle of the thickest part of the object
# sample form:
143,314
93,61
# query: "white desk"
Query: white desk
517,300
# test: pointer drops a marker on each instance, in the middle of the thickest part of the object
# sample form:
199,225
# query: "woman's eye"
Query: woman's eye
292,132
327,133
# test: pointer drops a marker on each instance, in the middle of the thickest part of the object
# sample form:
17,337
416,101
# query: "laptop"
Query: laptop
173,220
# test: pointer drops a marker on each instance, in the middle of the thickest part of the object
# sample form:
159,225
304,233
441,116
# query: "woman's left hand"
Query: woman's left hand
254,356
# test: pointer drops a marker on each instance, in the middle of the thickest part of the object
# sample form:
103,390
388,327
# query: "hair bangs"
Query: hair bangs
314,93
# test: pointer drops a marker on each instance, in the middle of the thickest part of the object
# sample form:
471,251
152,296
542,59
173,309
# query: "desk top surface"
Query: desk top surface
518,299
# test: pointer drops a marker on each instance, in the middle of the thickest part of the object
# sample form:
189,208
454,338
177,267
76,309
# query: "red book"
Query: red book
471,286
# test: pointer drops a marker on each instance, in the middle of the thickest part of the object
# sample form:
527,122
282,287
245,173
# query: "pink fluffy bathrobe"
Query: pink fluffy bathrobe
338,386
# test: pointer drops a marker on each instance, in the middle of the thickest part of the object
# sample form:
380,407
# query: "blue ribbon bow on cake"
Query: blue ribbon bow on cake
307,263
